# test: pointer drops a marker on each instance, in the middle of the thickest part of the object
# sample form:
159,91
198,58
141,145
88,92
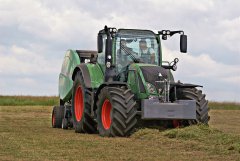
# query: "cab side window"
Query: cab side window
101,56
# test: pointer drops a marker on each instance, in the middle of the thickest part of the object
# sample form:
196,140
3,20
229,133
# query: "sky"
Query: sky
35,34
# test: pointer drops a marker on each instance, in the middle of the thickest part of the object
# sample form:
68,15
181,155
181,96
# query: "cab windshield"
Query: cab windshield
130,49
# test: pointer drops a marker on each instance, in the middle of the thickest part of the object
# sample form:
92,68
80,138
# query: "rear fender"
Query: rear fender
92,75
85,73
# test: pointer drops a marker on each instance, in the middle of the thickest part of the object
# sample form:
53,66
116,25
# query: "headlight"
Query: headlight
151,88
174,67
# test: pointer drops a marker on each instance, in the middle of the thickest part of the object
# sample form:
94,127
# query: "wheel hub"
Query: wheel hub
53,119
106,114
78,103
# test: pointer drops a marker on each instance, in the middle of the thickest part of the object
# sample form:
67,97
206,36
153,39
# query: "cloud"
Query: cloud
35,35
220,81
230,35
17,60
25,72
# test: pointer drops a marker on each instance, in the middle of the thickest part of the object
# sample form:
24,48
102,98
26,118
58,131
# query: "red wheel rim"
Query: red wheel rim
53,119
78,103
106,114
176,123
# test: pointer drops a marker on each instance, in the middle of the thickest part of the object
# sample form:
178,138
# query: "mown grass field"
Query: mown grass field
26,134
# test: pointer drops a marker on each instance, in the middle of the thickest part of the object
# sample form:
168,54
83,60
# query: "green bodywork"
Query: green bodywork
71,61
97,70
96,75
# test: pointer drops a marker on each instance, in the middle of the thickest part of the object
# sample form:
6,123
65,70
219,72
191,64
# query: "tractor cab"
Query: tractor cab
135,46
118,49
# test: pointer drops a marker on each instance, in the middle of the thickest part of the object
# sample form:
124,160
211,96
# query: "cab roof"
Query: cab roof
136,32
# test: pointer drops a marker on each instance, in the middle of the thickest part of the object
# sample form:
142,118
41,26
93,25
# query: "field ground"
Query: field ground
26,134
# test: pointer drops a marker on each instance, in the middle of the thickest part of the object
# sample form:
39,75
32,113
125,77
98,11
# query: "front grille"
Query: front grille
151,75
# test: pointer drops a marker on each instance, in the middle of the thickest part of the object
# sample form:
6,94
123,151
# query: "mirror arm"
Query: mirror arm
176,32
170,33
166,33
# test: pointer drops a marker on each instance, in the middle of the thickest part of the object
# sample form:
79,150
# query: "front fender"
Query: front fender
183,85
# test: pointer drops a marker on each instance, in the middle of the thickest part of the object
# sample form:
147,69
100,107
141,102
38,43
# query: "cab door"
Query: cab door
101,56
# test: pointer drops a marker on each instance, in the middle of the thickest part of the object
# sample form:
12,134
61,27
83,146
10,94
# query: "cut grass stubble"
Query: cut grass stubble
26,134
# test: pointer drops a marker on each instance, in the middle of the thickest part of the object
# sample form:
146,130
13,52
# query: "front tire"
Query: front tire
116,112
201,104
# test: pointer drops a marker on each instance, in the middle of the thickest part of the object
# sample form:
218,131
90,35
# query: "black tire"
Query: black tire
61,102
202,104
57,116
64,123
122,114
86,123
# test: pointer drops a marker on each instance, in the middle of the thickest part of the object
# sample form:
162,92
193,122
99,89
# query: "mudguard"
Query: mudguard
184,85
92,74
85,73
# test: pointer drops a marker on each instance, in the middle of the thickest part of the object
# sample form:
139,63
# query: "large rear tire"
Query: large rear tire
81,109
201,104
116,112
57,116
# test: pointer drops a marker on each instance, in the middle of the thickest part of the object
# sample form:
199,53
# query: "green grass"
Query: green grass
198,138
28,100
224,105
215,140
54,100
26,134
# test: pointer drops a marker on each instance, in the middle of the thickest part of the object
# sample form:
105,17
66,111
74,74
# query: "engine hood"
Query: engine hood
151,75
152,72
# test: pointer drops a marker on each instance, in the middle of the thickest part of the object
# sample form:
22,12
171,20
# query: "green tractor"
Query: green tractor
125,85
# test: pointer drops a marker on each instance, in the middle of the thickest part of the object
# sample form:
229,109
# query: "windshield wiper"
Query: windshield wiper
129,53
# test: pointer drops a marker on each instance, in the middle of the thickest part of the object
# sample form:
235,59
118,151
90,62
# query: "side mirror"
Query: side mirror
183,43
100,43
